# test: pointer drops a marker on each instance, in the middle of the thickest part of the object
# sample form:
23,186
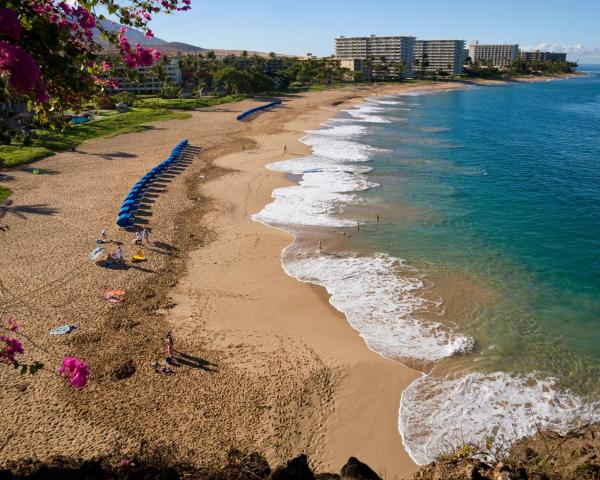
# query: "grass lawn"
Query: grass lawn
48,142
186,103
4,193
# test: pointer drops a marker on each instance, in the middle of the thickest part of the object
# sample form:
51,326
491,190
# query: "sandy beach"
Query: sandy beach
264,362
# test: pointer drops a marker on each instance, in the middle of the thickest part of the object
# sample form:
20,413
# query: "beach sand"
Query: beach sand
264,363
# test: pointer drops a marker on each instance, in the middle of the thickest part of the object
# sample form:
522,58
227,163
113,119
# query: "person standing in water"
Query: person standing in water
377,218
319,246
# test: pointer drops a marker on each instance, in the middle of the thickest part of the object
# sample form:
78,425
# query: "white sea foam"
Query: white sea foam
367,112
386,102
379,296
340,150
330,177
336,130
438,414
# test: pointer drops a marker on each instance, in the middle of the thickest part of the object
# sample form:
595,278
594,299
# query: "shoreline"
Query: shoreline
367,387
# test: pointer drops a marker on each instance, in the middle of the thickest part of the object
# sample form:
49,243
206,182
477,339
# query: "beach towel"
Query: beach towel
114,296
158,368
164,370
63,329
96,253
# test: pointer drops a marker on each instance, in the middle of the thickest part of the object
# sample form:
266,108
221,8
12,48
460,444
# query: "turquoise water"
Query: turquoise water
484,269
507,180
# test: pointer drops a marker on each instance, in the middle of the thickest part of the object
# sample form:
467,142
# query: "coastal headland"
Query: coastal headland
264,362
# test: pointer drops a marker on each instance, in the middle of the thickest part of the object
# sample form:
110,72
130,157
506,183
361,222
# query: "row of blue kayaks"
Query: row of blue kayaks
241,116
134,197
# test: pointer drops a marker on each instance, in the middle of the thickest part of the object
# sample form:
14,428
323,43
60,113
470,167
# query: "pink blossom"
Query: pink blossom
85,19
12,325
65,7
76,370
12,347
105,66
9,23
149,34
24,72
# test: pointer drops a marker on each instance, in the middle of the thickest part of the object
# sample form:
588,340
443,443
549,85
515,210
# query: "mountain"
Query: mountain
134,36
168,48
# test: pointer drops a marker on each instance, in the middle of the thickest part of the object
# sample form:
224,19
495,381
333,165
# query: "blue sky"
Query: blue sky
299,27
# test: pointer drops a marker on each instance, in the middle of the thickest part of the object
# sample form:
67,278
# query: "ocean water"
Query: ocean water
483,271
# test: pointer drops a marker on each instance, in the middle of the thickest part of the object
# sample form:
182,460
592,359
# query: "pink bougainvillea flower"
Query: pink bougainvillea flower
75,370
9,23
11,347
12,325
105,66
24,72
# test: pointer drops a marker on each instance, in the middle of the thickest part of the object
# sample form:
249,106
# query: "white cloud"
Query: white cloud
574,50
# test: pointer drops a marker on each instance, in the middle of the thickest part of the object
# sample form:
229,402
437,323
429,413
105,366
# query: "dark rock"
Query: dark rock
295,469
123,371
356,470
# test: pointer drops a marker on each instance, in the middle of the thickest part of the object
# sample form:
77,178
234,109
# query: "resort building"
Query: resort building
499,55
433,56
149,83
382,52
538,56
357,65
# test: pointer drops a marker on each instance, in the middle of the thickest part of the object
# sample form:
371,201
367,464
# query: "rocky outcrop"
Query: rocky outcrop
545,456
357,470
295,469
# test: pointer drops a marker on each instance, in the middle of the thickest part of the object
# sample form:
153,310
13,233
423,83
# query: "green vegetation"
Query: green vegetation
519,68
46,142
185,103
5,192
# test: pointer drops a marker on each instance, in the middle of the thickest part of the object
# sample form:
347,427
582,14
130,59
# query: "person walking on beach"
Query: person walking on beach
358,225
169,348
138,238
104,235
319,247
285,149
377,218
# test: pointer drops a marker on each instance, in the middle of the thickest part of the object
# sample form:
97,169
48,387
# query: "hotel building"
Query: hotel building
395,50
149,83
432,56
500,55
538,56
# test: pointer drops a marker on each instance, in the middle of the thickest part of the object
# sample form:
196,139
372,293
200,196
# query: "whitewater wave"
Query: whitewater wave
379,296
437,415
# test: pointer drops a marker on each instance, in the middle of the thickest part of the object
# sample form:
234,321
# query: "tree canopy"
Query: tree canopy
49,55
